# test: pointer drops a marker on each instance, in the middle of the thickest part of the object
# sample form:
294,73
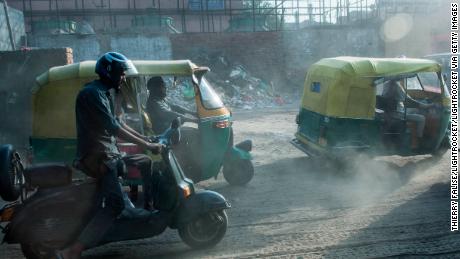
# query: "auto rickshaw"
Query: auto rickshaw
343,110
54,132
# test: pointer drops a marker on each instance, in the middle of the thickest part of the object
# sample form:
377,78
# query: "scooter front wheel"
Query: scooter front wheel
205,231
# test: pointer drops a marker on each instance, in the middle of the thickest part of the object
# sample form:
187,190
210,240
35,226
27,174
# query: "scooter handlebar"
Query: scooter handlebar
170,135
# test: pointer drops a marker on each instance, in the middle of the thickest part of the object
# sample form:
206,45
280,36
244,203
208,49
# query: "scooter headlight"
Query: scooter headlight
186,190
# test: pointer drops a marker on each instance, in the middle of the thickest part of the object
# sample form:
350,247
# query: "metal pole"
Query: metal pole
10,32
207,14
330,11
58,15
159,14
110,14
253,16
276,15
184,26
230,8
298,15
30,16
202,28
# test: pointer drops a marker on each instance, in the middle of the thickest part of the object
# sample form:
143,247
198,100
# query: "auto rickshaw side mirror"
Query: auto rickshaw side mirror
198,73
176,123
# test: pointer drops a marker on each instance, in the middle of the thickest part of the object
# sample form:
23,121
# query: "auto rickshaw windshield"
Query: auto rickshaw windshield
430,81
209,97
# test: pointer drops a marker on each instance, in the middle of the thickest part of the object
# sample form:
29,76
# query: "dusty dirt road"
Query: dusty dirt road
300,208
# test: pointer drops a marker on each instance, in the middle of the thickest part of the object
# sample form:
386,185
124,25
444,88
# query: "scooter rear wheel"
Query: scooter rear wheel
35,252
206,231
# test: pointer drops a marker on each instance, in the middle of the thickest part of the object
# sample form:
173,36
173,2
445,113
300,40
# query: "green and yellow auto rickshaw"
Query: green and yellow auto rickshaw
54,132
344,108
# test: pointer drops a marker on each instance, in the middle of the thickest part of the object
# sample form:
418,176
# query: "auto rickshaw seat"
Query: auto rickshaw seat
47,175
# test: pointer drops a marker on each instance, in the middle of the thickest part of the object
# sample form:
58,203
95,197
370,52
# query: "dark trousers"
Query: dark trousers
109,201
109,204
144,164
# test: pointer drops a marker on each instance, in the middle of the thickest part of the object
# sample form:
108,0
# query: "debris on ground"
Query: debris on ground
235,85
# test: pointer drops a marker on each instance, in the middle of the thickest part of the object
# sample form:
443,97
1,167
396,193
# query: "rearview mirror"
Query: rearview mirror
198,73
176,123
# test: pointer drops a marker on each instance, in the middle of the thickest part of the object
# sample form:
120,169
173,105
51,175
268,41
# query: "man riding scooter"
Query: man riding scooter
97,153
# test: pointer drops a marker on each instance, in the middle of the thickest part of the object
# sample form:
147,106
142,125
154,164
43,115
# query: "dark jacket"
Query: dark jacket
162,113
95,119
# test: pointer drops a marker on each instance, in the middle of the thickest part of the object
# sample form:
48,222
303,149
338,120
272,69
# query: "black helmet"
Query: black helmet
112,64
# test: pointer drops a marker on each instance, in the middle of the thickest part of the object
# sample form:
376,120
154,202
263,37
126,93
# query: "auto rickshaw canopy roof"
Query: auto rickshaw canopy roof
344,86
85,69
53,100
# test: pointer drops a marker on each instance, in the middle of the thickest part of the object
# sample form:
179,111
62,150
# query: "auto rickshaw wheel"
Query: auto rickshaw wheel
11,174
206,231
239,172
443,148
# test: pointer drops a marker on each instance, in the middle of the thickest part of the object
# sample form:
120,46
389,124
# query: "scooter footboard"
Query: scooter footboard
198,204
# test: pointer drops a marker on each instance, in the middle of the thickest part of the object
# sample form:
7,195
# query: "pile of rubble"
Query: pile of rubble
236,87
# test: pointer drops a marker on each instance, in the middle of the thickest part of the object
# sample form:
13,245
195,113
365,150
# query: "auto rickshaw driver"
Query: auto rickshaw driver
160,111
97,153
395,98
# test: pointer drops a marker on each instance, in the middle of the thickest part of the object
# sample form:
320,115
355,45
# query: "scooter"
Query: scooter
53,217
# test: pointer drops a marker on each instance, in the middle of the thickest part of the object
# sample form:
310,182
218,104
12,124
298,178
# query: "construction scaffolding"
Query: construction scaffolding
199,15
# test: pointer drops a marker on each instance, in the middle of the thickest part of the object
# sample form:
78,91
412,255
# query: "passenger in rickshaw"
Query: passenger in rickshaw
97,153
395,98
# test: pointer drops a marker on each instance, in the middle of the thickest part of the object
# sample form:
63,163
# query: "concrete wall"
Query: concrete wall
305,47
17,27
90,47
17,78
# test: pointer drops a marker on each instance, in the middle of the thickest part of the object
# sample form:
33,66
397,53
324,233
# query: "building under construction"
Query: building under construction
181,16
